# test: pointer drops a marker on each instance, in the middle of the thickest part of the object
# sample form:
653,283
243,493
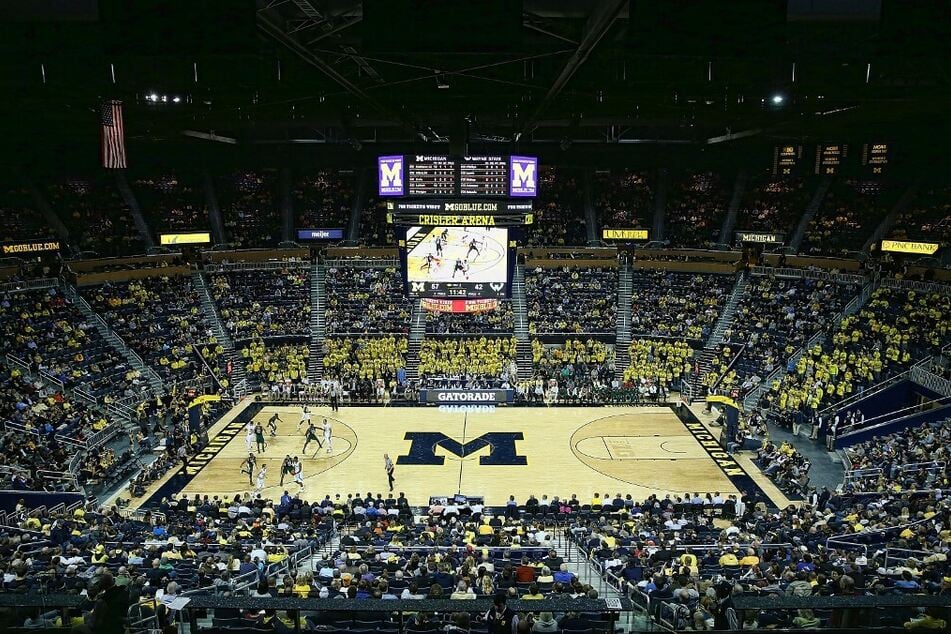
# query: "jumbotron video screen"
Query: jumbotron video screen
462,262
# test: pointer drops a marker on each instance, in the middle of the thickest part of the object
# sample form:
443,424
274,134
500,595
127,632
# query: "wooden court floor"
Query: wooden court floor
517,451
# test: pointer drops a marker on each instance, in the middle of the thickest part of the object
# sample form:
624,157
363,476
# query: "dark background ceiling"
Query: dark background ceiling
332,79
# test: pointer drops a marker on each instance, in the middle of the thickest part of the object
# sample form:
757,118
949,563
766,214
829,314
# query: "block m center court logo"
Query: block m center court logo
501,448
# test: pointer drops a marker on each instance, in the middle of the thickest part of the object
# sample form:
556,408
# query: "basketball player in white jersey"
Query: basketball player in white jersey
328,436
262,476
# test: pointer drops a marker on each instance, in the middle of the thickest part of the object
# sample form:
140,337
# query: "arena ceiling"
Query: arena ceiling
510,72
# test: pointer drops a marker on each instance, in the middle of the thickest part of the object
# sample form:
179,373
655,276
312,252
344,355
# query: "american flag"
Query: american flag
113,136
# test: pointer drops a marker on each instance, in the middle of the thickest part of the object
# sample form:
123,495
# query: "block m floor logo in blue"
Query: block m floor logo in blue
502,449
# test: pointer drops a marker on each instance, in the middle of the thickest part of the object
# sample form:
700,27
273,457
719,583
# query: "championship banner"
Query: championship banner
624,234
466,397
32,246
903,246
434,305
195,237
759,237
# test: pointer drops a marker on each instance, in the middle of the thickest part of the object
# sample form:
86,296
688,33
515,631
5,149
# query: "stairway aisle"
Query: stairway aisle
318,322
239,379
625,291
729,311
417,331
523,358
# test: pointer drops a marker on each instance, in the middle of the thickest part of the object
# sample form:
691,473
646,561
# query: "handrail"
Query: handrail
264,265
382,263
925,287
29,285
810,274
18,362
889,416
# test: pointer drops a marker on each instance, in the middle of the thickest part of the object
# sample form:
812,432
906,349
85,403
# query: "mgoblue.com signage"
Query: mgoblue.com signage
523,176
390,172
460,397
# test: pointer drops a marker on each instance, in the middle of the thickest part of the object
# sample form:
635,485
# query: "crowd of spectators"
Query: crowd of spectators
690,555
369,359
571,300
46,331
581,369
275,363
19,218
678,305
895,328
914,459
172,201
928,216
559,209
849,213
498,320
481,357
36,418
658,366
158,317
249,208
263,303
323,198
95,215
773,204
374,229
366,300
775,317
624,199
695,209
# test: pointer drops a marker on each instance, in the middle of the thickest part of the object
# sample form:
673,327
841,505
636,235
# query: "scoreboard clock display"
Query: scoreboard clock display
441,176
829,157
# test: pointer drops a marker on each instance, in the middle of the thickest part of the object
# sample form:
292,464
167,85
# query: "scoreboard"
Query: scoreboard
431,176
483,176
441,176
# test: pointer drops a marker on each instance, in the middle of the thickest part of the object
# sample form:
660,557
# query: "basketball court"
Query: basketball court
510,451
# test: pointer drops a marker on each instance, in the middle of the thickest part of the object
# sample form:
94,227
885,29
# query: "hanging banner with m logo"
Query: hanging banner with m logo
390,172
523,176
501,448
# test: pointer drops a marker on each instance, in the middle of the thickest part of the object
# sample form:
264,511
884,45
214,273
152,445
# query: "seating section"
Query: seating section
559,210
624,198
497,321
850,212
158,317
366,300
323,198
571,300
250,209
895,329
914,459
172,201
775,317
581,369
362,365
19,217
696,206
928,217
35,420
45,330
263,303
275,364
678,305
97,218
657,367
773,204
374,229
474,359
